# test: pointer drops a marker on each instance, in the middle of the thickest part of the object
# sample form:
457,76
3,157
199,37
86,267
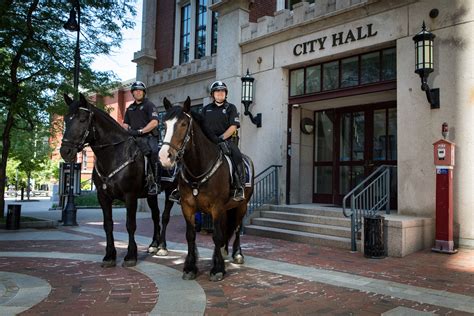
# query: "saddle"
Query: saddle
247,169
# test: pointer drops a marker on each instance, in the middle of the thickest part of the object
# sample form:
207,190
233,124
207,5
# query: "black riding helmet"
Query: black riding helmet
218,86
138,85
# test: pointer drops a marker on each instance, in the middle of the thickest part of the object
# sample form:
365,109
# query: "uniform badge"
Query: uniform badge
224,111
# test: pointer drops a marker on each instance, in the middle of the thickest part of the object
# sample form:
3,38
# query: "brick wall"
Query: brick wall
261,8
164,41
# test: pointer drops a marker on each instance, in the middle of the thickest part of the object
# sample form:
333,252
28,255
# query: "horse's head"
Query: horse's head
77,124
177,123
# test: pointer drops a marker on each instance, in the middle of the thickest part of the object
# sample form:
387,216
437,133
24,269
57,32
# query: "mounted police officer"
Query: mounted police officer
222,120
141,120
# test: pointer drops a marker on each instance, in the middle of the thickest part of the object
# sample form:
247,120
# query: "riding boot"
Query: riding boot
175,196
153,187
239,183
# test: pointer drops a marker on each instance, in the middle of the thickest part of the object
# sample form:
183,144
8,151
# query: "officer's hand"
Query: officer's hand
224,148
133,132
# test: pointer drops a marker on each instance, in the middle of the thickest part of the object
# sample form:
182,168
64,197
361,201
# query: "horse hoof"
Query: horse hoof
189,275
162,252
129,263
224,252
239,259
152,250
108,264
219,276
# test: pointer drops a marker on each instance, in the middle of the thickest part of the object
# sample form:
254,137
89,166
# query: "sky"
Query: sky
120,60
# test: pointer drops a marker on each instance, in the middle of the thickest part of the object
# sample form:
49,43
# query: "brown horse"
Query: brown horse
119,173
204,184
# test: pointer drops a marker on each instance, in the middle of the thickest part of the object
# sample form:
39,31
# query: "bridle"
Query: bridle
200,179
80,145
180,150
83,143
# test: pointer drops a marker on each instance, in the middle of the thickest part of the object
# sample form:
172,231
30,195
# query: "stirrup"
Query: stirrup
153,189
175,196
239,194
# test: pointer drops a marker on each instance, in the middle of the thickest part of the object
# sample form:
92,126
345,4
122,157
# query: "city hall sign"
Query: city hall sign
336,39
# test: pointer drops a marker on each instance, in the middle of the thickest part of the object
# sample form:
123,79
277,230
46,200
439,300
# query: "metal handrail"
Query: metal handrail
265,189
368,199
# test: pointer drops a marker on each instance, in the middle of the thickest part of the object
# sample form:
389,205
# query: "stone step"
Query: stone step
317,210
298,236
329,230
307,218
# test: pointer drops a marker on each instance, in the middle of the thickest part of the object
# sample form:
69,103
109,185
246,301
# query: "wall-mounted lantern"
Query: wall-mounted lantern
424,64
247,98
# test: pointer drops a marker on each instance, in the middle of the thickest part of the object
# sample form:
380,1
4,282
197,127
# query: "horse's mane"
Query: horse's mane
106,116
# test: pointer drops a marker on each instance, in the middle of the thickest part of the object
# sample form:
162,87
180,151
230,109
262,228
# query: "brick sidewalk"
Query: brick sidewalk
82,287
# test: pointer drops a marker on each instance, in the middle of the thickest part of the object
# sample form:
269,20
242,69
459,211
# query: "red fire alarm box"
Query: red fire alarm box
443,151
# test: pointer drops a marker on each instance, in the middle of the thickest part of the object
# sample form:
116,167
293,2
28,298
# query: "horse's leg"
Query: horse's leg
236,250
162,250
110,252
190,269
130,259
218,265
155,215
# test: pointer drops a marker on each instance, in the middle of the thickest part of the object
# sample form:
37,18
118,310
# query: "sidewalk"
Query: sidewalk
57,272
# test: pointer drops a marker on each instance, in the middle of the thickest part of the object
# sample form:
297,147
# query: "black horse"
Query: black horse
204,184
119,173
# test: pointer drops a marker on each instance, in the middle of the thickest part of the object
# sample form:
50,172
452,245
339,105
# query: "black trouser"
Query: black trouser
150,147
236,157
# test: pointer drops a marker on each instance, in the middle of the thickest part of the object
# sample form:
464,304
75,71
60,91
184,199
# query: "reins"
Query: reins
198,180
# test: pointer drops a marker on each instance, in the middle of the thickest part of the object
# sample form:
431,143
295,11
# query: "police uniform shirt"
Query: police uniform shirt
139,115
219,118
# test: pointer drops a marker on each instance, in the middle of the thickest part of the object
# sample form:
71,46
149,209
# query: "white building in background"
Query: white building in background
345,67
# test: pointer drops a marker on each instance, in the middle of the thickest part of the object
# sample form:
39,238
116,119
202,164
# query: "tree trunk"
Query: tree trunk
3,163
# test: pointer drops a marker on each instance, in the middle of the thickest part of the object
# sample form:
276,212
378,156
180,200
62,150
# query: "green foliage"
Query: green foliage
37,67
90,199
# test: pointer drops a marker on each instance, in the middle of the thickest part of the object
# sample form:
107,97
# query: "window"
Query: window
290,3
196,31
84,160
185,34
313,79
201,22
214,32
297,82
369,68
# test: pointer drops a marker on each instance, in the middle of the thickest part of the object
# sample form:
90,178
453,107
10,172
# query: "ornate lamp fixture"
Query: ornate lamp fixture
424,63
247,98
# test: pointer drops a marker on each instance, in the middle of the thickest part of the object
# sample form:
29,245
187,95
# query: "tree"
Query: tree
37,60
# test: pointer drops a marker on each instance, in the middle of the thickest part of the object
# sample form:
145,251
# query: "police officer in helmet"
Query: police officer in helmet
222,120
141,120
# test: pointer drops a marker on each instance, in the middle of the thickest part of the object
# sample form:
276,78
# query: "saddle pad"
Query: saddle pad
248,170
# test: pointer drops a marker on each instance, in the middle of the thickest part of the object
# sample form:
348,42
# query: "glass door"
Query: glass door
323,156
350,143
352,152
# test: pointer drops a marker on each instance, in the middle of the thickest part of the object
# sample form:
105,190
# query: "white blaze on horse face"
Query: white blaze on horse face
164,152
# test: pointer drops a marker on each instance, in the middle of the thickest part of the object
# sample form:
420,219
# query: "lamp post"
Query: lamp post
247,98
73,25
424,64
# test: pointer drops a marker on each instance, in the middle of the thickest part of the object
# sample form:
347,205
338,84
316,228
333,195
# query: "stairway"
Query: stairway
308,223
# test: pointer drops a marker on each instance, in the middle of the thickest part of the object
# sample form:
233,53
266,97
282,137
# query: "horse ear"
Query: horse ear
83,101
187,105
167,104
67,99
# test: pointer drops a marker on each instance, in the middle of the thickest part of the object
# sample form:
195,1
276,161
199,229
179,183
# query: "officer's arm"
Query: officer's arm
228,133
150,126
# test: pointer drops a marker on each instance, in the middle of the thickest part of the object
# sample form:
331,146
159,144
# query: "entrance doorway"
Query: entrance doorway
349,144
